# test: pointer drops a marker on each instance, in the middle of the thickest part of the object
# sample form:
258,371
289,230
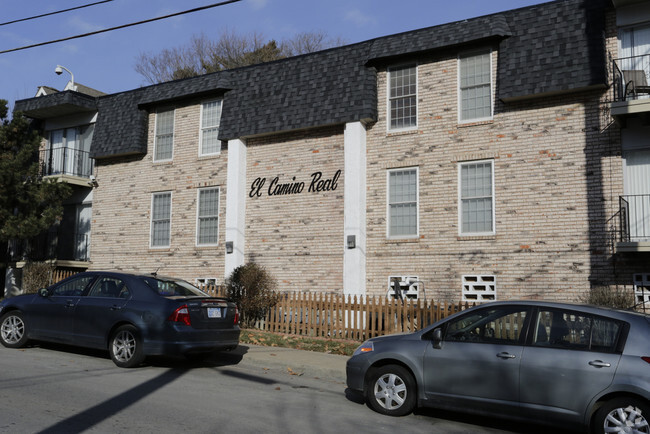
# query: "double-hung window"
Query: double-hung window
210,119
476,191
161,217
207,225
402,97
403,203
164,144
475,86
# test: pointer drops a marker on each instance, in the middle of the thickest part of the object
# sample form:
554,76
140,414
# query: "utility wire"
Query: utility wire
40,44
54,13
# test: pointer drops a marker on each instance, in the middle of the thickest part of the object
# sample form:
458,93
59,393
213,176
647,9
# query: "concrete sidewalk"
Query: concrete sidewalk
295,362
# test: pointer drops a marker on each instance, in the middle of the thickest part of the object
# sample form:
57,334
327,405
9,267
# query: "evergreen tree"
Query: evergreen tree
29,204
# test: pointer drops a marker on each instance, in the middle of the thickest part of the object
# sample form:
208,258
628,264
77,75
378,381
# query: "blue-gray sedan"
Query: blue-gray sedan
131,316
573,366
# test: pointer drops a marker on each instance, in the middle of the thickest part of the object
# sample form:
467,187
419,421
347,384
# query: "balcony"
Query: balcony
72,165
56,244
631,85
633,232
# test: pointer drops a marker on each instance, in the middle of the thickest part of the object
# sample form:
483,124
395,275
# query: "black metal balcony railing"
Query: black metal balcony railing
631,77
66,161
634,218
54,244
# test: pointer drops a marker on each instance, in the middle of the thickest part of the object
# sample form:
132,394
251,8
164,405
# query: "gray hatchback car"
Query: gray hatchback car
573,366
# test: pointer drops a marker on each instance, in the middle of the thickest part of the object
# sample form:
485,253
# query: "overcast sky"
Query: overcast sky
106,61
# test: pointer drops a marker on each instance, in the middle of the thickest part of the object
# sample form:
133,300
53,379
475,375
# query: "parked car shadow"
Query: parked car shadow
211,360
482,421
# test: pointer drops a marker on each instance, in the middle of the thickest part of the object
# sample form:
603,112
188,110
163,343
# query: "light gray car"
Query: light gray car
573,366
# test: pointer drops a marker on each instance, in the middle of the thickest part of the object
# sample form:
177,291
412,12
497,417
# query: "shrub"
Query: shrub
252,287
36,275
608,297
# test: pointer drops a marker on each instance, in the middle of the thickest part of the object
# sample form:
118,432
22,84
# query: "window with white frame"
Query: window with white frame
164,141
161,214
476,202
479,288
402,97
210,119
403,202
642,287
475,86
207,225
206,282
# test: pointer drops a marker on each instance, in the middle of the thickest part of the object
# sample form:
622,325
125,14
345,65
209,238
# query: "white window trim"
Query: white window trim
417,92
479,296
201,127
460,98
417,204
641,281
155,134
171,204
198,196
460,201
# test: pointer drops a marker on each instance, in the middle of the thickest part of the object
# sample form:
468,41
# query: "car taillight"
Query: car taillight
236,321
646,359
181,315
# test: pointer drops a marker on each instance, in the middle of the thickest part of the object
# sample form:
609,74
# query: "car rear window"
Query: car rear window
173,288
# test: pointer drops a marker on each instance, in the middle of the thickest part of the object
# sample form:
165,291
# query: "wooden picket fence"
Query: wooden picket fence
349,317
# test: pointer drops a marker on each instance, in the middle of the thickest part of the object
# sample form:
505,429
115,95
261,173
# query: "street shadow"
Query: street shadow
478,420
210,360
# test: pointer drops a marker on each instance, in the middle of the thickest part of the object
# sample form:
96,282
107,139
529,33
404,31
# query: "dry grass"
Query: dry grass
323,345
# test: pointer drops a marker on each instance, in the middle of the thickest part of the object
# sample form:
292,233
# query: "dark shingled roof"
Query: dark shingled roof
56,104
543,49
444,36
555,47
121,128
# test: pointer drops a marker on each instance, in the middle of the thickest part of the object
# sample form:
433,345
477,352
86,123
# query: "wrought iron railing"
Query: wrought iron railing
634,218
66,161
54,244
631,78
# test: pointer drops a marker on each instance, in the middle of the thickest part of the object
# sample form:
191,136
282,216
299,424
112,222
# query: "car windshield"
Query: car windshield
170,287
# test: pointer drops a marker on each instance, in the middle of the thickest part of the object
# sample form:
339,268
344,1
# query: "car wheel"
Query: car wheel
391,390
125,347
625,415
13,331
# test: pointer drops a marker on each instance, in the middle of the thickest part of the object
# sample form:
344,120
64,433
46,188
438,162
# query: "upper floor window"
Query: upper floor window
475,86
207,225
210,119
402,97
476,204
161,217
164,143
403,203
68,152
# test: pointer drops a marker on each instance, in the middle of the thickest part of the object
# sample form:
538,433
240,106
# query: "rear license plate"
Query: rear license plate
214,312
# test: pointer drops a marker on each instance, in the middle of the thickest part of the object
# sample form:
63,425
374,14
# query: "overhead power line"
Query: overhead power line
54,13
40,44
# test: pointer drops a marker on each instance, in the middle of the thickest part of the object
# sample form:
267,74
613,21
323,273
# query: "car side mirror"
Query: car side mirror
437,338
43,292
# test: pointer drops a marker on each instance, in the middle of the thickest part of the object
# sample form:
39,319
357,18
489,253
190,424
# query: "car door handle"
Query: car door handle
69,303
116,307
505,355
600,364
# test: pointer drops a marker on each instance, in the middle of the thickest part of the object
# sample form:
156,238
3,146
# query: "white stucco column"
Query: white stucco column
235,205
354,226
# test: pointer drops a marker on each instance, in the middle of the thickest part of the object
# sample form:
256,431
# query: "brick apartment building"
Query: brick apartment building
501,157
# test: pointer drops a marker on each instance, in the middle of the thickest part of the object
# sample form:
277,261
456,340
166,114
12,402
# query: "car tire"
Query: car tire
627,414
125,347
13,330
391,390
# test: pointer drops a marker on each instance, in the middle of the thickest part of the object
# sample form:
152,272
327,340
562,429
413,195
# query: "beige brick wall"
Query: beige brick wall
548,155
298,237
122,206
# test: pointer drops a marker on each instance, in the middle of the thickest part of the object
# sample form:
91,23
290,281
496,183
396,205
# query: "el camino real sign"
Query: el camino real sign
316,185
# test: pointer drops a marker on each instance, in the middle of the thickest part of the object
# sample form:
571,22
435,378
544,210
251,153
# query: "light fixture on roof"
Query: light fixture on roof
59,70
